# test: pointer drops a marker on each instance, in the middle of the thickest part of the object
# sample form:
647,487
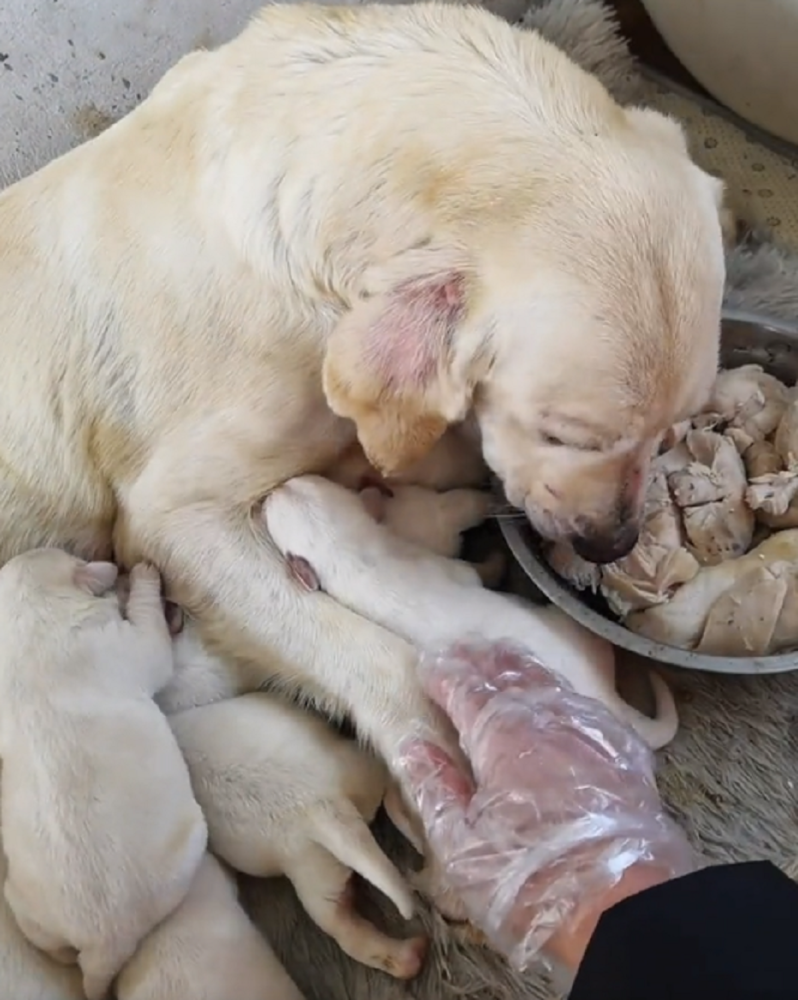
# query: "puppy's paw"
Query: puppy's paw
406,959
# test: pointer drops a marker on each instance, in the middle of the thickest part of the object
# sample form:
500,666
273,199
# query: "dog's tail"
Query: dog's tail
343,832
660,730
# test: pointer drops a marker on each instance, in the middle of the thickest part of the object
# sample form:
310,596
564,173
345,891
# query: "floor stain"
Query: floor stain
90,121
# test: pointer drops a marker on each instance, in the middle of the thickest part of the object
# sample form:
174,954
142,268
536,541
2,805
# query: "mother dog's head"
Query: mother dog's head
573,309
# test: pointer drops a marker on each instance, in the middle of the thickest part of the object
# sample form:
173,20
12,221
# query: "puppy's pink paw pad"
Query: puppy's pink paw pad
408,959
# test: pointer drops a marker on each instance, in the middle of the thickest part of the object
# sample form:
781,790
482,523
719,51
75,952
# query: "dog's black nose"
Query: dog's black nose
606,548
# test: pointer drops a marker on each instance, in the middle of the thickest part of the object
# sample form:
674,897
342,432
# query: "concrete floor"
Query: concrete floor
68,68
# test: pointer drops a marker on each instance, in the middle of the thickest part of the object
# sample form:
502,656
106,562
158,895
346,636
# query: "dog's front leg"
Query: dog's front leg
227,573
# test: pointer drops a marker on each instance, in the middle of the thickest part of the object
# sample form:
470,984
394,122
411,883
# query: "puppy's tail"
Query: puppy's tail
660,730
343,832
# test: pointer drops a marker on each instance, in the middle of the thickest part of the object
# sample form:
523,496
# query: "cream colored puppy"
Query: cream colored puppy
435,521
431,601
283,794
25,972
207,949
296,240
98,851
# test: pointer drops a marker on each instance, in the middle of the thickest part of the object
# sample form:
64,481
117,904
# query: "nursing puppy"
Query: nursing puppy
251,269
283,794
98,851
432,601
206,949
433,520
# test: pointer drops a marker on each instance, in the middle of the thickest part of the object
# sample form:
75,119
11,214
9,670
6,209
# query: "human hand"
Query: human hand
561,817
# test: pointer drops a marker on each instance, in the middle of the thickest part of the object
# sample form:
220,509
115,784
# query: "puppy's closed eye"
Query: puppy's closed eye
552,441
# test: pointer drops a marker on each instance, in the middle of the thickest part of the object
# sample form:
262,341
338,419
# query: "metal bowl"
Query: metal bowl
746,339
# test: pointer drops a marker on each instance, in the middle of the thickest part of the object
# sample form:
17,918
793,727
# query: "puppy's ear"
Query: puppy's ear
96,577
390,363
374,500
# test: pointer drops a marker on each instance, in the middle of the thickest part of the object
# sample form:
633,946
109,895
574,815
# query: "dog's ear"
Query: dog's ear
666,129
96,577
659,126
390,362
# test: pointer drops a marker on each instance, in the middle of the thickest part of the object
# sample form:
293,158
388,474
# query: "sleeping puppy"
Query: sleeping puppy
25,972
98,852
206,949
285,795
326,532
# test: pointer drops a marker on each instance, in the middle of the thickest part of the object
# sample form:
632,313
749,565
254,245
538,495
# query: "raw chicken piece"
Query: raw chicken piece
743,620
658,563
772,494
682,621
786,437
749,400
761,459
710,489
785,634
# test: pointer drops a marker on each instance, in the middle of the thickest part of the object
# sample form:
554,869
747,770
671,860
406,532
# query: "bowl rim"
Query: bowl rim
547,581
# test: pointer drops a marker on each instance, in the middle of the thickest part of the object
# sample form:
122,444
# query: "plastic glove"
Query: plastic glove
561,804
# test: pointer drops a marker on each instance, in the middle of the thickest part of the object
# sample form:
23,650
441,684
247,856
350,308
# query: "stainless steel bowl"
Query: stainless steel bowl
747,339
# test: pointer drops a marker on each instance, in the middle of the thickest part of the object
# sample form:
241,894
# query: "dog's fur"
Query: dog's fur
222,289
433,601
80,740
285,795
207,949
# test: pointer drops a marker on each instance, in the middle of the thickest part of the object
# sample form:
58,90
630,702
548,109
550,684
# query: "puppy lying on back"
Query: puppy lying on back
207,949
25,972
329,537
100,827
285,795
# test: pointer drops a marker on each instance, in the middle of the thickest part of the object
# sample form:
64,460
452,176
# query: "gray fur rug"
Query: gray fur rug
729,777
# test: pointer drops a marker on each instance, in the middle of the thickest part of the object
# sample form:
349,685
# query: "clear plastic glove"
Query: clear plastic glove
562,806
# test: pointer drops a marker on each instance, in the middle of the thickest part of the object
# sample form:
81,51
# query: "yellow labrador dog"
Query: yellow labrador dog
350,222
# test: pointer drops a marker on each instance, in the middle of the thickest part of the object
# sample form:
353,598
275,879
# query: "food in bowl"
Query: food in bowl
716,567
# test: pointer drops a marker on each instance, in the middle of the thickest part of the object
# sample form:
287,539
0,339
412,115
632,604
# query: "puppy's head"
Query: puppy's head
574,311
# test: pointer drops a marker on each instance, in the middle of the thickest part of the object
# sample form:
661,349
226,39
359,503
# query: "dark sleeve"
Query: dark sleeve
724,933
